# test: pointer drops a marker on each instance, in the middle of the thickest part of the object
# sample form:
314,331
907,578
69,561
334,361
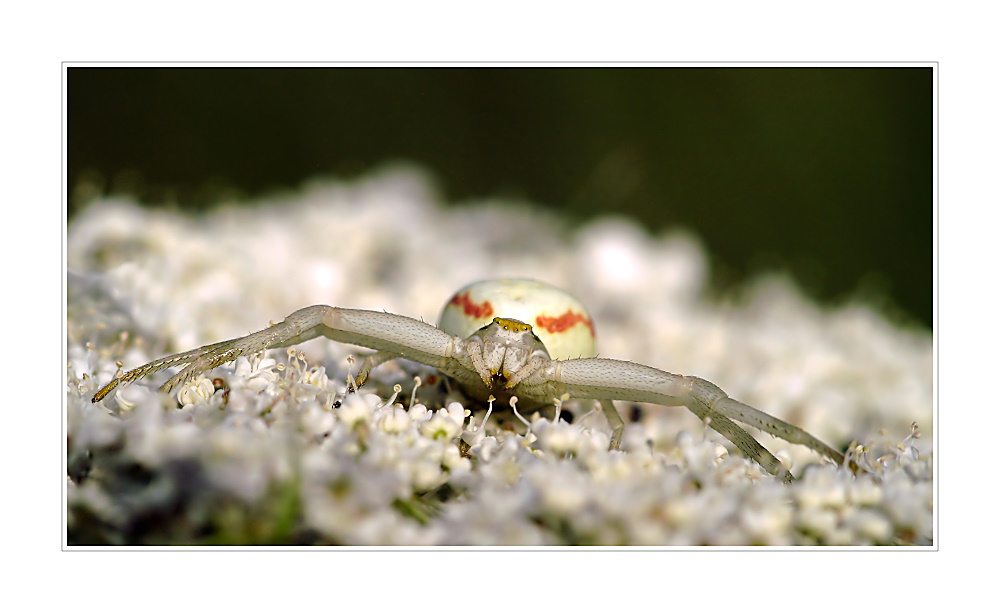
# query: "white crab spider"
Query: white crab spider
489,352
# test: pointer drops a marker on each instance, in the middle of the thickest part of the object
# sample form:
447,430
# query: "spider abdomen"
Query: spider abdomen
557,318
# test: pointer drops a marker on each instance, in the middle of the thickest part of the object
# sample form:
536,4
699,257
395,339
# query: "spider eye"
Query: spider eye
512,325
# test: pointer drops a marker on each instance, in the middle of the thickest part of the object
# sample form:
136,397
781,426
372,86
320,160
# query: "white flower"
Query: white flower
133,395
453,461
560,439
767,522
562,489
259,377
393,420
442,426
357,408
316,421
303,392
485,448
871,525
822,487
426,475
197,390
820,521
865,492
458,413
419,412
317,377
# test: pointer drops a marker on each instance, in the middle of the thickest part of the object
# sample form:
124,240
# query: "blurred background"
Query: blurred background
824,173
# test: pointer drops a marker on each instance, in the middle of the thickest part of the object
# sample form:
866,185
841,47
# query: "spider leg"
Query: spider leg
208,357
710,394
475,354
533,365
372,361
605,378
747,444
390,335
614,420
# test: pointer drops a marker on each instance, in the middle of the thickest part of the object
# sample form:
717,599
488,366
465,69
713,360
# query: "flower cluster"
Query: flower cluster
280,453
273,450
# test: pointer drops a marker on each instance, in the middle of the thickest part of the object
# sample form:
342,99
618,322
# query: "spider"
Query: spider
485,343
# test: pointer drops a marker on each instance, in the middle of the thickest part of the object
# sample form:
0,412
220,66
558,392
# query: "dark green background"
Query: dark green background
823,172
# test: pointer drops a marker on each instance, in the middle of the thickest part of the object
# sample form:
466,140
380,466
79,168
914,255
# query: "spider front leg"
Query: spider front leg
390,335
605,378
298,327
711,395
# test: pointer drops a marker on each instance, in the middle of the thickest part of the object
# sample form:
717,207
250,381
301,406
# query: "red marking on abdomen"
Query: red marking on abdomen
564,322
483,309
